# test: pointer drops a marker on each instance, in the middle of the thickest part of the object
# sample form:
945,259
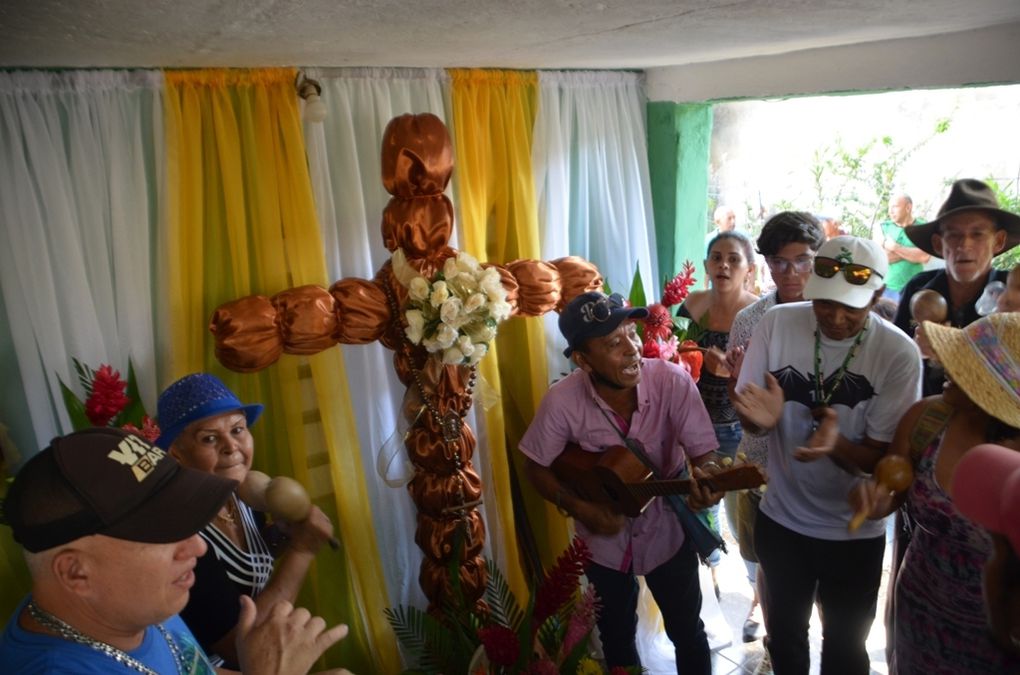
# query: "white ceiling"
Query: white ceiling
559,34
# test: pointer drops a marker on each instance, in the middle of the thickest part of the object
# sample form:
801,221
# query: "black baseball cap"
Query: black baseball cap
592,315
108,481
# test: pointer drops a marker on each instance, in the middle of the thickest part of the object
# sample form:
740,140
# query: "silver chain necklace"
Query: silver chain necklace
68,632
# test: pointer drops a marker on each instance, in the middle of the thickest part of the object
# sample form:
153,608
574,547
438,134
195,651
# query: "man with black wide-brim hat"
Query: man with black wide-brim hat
970,230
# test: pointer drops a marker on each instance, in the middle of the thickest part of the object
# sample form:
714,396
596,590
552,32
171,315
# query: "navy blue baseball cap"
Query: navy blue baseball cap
594,314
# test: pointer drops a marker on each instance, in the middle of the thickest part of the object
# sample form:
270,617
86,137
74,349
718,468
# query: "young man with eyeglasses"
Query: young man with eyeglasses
613,398
788,242
826,382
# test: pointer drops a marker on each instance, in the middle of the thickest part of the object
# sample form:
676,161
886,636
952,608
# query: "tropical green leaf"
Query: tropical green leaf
422,635
551,633
85,376
637,289
75,408
134,411
503,606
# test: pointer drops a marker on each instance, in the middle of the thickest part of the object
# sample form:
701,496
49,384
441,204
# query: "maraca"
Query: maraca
928,305
283,497
893,473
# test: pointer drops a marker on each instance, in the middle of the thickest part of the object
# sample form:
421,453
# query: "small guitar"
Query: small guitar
618,477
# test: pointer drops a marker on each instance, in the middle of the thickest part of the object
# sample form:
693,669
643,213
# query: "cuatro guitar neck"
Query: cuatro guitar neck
618,477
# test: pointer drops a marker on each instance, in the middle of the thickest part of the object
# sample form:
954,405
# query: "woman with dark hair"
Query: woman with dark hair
728,265
939,607
788,242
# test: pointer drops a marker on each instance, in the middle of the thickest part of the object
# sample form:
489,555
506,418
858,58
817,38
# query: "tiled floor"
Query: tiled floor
738,658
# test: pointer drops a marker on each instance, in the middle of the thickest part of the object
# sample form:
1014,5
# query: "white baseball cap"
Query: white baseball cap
847,270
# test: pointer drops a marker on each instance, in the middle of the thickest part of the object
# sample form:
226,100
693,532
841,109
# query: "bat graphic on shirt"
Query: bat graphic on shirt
797,386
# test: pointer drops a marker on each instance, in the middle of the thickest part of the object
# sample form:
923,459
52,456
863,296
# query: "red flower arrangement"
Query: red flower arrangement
664,335
550,637
109,401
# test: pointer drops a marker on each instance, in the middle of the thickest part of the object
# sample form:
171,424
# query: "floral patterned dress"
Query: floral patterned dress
940,616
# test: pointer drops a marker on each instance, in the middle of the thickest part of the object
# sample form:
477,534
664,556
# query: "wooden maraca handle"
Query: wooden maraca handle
893,473
283,497
862,514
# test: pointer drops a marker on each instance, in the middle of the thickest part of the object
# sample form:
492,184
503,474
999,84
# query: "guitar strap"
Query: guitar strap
705,539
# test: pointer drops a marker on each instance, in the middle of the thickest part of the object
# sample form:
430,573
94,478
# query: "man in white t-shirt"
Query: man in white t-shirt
827,381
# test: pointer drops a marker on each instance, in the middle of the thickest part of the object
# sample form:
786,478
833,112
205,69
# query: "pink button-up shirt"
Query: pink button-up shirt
670,418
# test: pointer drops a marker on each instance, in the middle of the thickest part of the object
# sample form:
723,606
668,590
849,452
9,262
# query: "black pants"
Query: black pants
846,576
676,589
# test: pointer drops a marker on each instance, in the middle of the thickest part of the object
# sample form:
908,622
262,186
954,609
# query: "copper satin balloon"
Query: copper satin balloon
252,332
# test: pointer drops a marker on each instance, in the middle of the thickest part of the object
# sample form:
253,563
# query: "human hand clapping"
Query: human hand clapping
286,640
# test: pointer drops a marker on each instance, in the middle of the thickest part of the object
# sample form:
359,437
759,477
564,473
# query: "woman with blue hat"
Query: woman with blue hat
206,427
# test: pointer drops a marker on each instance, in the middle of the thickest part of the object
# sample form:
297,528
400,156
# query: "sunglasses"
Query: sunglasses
855,274
600,310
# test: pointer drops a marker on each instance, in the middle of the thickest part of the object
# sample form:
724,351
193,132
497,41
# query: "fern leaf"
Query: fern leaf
85,375
503,604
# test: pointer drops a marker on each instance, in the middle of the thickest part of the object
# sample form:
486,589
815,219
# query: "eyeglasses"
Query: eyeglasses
855,274
782,265
600,310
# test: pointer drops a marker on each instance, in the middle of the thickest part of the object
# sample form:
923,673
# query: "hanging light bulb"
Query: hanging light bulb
309,90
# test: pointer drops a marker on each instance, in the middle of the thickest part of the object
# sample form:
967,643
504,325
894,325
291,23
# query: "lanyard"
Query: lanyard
822,398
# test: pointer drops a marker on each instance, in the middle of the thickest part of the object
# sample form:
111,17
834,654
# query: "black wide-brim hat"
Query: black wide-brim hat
967,194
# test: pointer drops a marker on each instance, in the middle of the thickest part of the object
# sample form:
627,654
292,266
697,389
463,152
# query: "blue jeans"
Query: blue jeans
728,436
676,589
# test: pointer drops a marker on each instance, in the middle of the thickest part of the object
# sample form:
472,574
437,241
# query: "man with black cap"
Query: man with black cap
970,230
827,382
109,527
616,398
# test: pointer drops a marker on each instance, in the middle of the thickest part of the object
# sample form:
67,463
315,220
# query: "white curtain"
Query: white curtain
590,160
79,156
344,161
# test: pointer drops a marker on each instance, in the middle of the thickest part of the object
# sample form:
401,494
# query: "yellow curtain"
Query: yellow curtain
241,220
493,119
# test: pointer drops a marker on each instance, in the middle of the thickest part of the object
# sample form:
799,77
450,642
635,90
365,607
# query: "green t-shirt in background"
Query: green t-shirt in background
901,271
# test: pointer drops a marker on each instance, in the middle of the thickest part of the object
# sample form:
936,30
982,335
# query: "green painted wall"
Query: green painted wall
694,122
679,137
663,144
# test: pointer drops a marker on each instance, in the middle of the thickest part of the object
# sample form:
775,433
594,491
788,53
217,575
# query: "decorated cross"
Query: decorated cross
252,332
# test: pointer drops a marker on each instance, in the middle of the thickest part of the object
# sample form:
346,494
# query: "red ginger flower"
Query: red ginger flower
501,644
679,286
107,397
149,431
562,581
658,323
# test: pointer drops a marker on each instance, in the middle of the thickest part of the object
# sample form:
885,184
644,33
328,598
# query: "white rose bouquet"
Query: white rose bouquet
456,313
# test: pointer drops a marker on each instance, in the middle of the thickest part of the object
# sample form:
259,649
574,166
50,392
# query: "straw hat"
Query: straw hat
984,360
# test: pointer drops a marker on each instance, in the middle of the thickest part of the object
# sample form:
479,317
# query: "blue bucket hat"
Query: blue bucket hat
592,315
195,397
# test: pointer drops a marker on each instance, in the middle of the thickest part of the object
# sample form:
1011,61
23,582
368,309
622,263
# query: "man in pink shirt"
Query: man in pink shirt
614,395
